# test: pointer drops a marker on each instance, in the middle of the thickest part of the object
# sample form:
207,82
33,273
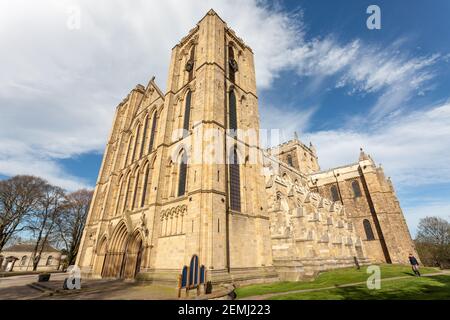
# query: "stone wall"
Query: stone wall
146,221
373,203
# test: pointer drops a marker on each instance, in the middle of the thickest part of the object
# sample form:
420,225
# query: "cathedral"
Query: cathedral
185,190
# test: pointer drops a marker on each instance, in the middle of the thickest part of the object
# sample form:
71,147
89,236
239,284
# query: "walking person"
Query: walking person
414,264
356,263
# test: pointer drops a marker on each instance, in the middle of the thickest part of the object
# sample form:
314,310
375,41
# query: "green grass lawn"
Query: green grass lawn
424,288
328,279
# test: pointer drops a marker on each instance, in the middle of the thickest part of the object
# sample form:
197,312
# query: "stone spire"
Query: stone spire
362,155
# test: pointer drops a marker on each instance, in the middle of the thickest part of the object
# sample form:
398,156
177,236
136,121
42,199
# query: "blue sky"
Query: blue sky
320,72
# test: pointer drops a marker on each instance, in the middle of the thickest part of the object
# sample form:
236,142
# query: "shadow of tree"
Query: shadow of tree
432,288
18,293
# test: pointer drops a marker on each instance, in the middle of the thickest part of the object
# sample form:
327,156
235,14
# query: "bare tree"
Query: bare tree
43,221
72,221
433,241
18,199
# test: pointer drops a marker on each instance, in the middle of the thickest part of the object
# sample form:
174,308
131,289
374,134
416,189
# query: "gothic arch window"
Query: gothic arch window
152,133
136,189
128,146
127,191
49,261
23,261
120,194
187,113
232,64
334,193
136,140
289,160
368,230
144,189
235,181
232,110
182,174
356,189
190,64
144,137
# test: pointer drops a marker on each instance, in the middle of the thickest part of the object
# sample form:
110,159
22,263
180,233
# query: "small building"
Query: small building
19,257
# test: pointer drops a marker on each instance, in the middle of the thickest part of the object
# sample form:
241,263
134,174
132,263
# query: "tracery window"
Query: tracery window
144,138
136,139
235,182
136,189
356,189
152,133
182,175
187,113
334,193
368,230
232,64
289,160
232,111
144,188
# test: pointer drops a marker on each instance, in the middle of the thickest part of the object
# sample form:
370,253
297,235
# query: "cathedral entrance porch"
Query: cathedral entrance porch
123,257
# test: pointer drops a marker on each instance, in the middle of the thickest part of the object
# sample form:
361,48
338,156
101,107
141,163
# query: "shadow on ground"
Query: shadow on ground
90,290
414,288
18,293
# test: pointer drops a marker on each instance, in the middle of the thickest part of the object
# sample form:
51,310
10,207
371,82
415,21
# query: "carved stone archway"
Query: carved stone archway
124,255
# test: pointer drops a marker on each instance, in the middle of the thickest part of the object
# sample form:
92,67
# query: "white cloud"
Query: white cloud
59,87
286,120
323,57
413,148
398,78
362,68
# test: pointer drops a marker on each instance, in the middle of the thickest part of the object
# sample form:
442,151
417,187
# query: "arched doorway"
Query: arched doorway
123,258
101,255
116,252
133,255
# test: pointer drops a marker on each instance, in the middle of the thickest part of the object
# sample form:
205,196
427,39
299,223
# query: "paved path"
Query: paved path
14,281
112,290
16,287
270,295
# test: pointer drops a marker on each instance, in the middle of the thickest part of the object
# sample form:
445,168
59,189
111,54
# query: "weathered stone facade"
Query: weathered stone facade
372,205
177,181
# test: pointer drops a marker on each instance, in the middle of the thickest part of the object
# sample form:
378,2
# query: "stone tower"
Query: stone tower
373,206
180,183
184,187
297,155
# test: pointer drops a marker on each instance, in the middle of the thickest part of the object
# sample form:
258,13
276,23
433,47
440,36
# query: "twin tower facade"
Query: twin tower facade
184,187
